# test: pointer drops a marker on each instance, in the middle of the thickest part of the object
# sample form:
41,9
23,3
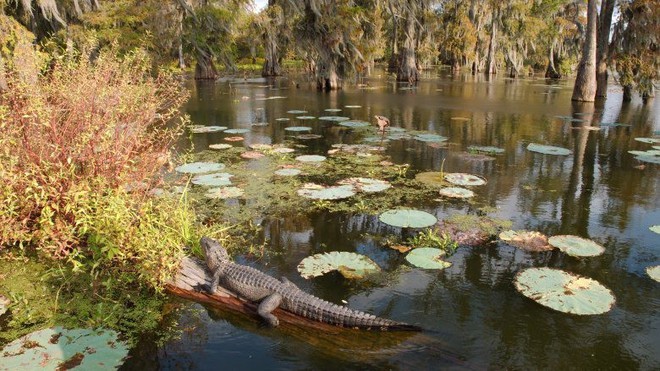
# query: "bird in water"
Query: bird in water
382,123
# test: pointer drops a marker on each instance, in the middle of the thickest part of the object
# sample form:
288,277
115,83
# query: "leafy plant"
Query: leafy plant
431,238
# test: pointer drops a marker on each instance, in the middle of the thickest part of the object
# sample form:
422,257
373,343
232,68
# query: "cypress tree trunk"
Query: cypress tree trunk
492,46
326,73
585,81
602,49
205,68
271,62
408,62
551,72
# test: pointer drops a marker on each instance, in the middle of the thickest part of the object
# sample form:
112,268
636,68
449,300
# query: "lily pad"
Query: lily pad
237,131
283,150
648,140
349,264
298,128
576,246
308,136
654,272
464,179
199,167
62,349
261,146
548,150
486,149
354,124
252,155
427,258
258,124
319,192
526,240
288,172
311,158
456,192
649,159
655,228
200,129
430,138
564,292
432,178
334,118
353,106
212,180
220,146
283,119
234,139
332,110
306,117
296,112
224,192
367,185
408,218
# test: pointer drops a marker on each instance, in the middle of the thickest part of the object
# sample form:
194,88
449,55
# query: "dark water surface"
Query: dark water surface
473,316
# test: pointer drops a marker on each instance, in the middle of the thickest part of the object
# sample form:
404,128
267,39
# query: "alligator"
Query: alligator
256,286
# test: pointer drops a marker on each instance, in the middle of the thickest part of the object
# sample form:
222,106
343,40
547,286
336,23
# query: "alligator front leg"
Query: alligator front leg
215,281
267,306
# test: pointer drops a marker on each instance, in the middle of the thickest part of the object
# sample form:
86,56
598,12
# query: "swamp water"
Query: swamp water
471,312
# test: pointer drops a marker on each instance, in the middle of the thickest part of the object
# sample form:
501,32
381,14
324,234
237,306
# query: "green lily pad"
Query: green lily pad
526,240
354,124
306,117
548,150
283,119
427,258
311,158
220,146
200,129
352,106
649,159
486,149
435,138
237,131
349,264
654,272
298,128
564,292
648,140
224,192
332,110
58,348
655,228
408,218
296,112
432,178
212,180
319,192
576,246
200,167
464,179
288,172
456,192
334,118
366,185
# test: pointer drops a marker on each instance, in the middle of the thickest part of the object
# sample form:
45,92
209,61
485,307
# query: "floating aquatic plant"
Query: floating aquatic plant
298,128
234,139
200,129
526,240
464,179
456,192
654,272
353,106
308,136
288,172
471,230
261,146
332,110
354,124
283,150
305,117
319,192
199,167
296,112
486,149
564,292
548,150
334,118
648,140
408,218
430,137
258,124
349,264
649,159
576,246
224,192
427,258
311,158
220,146
61,349
432,178
283,119
252,155
655,228
237,131
367,185
212,180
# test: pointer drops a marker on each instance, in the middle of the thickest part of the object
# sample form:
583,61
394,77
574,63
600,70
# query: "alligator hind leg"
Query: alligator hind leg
267,306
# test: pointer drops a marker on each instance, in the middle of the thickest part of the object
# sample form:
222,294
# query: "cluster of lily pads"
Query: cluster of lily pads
652,155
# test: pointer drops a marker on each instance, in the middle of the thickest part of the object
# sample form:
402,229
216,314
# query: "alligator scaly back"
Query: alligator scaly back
257,286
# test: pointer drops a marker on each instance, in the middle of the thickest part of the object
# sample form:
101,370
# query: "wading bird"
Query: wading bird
382,123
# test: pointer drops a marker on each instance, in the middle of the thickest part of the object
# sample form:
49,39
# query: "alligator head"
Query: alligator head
213,251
